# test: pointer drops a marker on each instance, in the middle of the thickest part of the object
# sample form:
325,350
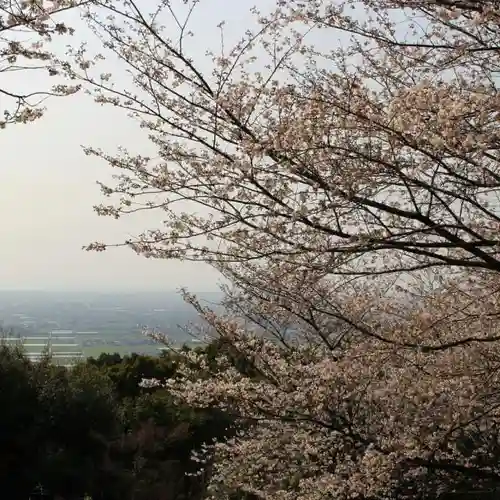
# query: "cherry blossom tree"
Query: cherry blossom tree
340,166
25,29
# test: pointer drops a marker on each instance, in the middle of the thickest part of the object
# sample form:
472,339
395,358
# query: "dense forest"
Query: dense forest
92,432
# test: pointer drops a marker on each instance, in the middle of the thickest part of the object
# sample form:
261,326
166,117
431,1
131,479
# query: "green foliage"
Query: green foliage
55,427
92,430
19,423
158,435
126,373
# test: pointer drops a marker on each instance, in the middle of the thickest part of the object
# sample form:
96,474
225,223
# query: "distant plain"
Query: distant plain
93,323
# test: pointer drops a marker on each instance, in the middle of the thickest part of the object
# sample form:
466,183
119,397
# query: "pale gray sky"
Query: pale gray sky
47,189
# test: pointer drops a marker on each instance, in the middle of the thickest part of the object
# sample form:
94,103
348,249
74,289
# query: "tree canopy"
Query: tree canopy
340,168
26,30
90,431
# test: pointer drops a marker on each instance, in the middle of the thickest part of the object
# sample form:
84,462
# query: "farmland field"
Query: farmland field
95,323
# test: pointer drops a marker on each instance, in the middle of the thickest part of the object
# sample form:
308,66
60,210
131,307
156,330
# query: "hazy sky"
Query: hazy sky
47,189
